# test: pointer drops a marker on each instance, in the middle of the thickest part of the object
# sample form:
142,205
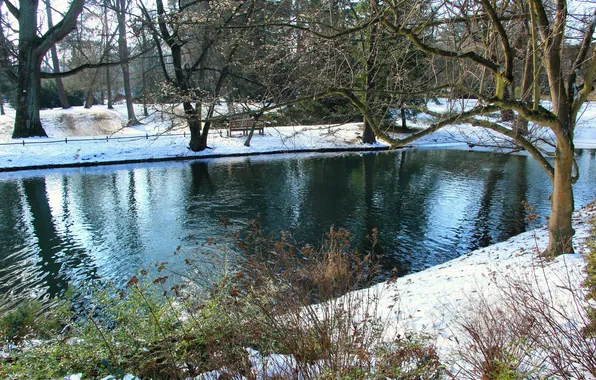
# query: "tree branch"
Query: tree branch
86,66
12,9
61,29
520,139
470,55
504,40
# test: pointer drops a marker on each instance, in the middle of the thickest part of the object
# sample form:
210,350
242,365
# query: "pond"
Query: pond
61,228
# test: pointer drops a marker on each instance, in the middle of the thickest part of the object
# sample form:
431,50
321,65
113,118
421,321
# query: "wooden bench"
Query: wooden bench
244,125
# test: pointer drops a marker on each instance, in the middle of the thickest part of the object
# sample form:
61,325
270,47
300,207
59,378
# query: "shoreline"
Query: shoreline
432,300
194,157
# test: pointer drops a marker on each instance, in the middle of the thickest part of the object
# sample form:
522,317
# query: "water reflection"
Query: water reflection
63,227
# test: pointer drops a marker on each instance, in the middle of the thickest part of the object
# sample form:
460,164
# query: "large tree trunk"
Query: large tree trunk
32,48
197,143
560,230
27,120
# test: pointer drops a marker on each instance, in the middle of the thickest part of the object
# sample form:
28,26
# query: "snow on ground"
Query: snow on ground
433,300
107,139
106,144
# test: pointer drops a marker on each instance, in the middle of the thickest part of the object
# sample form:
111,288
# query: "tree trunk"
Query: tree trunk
90,99
144,75
56,63
404,122
27,120
123,51
32,48
2,105
368,136
560,230
196,143
507,115
108,83
109,89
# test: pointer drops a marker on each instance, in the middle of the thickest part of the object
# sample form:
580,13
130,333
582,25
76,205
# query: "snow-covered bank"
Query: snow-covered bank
434,303
95,136
435,300
141,144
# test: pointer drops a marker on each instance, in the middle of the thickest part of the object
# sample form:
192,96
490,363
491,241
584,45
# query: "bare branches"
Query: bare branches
61,29
81,68
469,55
507,51
519,138
577,99
12,9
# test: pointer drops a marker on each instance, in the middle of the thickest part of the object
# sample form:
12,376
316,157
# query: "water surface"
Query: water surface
64,227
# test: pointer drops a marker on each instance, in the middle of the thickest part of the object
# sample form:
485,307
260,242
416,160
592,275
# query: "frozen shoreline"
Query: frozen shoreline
106,141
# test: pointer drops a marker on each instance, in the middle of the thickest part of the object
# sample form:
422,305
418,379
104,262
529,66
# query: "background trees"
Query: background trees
373,58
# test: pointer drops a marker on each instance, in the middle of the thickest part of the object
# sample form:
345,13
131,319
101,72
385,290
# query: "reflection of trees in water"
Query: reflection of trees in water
56,255
481,234
133,216
200,179
13,231
500,212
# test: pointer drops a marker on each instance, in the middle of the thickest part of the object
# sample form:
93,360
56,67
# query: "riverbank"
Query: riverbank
447,312
73,141
470,308
98,136
441,301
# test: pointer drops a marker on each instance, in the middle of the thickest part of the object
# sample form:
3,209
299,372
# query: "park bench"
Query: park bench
244,125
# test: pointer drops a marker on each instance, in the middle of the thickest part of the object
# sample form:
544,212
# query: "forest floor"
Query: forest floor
79,136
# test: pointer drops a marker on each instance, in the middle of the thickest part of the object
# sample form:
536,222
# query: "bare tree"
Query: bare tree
193,47
32,47
474,42
569,85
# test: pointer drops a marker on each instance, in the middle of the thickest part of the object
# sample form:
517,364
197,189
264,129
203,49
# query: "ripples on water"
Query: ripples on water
66,227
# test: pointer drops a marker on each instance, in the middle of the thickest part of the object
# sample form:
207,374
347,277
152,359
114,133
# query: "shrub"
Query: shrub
590,282
256,312
533,327
31,318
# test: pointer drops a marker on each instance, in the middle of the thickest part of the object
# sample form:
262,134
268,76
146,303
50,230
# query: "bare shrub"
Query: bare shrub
298,305
531,327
